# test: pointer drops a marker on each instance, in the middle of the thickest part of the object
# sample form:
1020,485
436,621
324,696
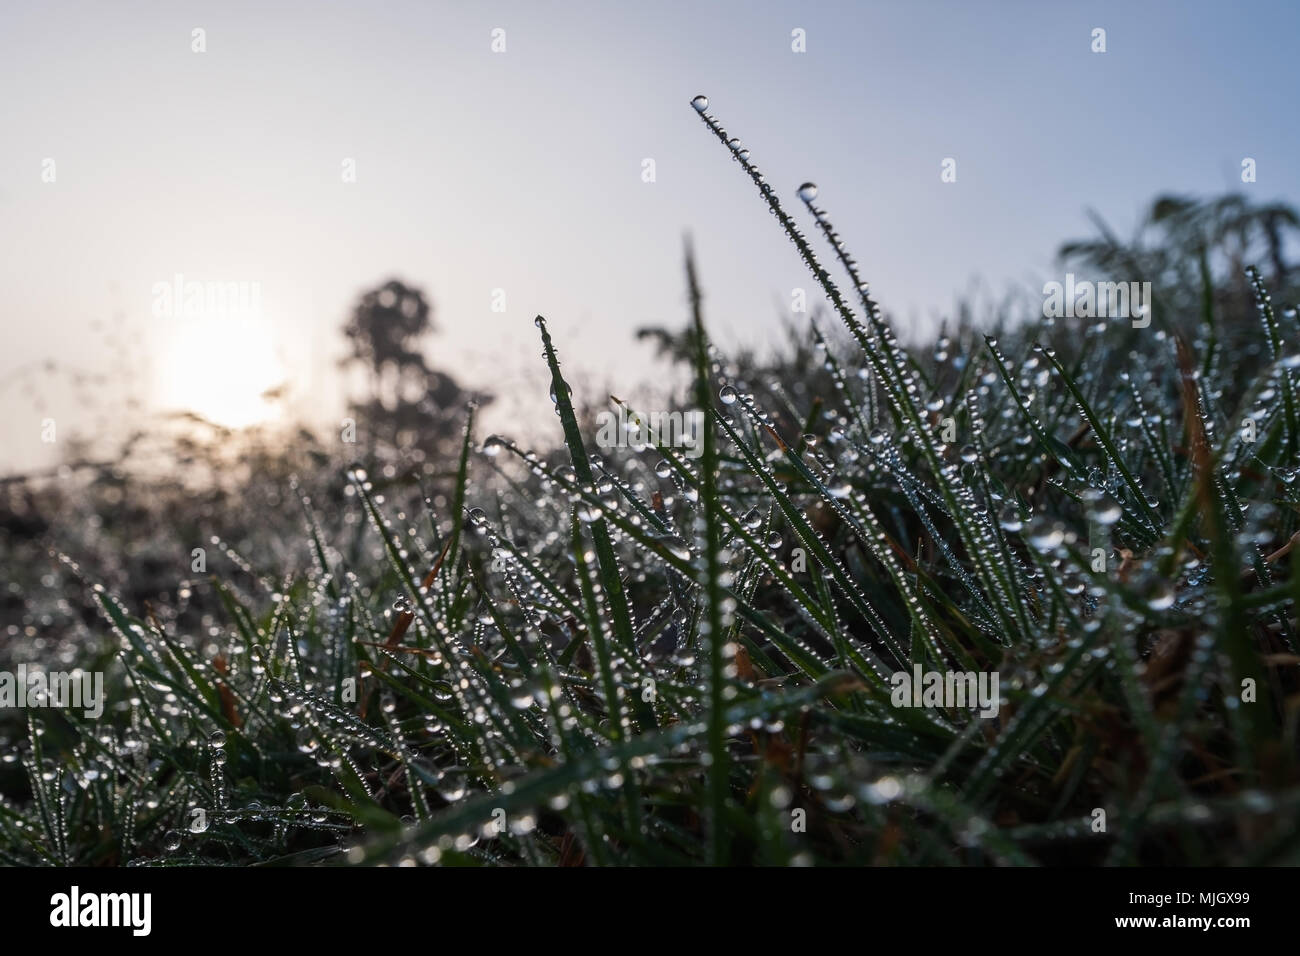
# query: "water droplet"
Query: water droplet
1162,598
453,784
522,696
1010,519
701,103
1046,537
728,395
678,547
1257,801
1106,511
172,840
217,738
808,192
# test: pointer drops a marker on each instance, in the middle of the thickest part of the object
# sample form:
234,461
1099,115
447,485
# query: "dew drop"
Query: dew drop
1162,599
1046,537
1010,519
1107,511
453,784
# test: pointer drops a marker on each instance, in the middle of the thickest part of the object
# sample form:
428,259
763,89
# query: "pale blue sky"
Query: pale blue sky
522,170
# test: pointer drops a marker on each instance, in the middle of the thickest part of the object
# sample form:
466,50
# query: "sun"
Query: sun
220,369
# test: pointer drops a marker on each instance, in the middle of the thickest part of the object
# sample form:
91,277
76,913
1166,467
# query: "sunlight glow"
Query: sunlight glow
220,369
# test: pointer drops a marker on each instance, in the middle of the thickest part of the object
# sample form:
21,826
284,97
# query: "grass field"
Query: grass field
687,655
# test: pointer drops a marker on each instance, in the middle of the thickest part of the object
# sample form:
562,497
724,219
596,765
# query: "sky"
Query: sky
517,176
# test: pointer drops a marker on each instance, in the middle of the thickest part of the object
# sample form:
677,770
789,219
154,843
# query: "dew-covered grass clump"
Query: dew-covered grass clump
706,655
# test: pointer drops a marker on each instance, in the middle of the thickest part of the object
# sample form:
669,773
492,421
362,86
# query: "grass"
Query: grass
652,659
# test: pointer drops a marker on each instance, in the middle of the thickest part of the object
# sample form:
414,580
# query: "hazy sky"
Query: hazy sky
522,171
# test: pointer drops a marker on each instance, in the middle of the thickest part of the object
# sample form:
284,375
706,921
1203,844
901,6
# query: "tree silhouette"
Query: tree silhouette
1194,252
410,402
1182,242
